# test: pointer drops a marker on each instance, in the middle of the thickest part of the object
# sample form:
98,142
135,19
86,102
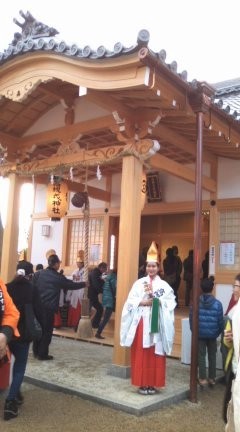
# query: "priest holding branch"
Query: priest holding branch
147,326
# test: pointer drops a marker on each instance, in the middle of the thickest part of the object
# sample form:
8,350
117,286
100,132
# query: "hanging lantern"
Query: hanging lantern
143,190
57,200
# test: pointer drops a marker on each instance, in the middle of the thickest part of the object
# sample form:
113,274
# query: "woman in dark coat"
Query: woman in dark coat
21,291
108,301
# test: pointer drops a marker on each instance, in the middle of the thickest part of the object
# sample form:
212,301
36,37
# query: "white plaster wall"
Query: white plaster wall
40,199
54,118
224,294
41,244
87,110
228,178
173,188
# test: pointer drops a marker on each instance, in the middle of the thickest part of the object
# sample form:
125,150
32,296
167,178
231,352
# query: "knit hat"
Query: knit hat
26,266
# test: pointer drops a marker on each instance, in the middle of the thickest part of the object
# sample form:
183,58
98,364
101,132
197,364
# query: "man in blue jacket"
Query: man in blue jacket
210,327
49,283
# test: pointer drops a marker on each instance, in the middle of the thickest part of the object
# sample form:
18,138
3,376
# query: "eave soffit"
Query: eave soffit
135,68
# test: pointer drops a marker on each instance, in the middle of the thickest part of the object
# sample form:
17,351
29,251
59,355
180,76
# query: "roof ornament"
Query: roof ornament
31,29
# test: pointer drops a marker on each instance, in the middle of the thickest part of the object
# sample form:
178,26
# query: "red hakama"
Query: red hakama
147,368
74,315
5,372
57,320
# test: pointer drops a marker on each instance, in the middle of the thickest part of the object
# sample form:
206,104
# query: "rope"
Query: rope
86,232
86,237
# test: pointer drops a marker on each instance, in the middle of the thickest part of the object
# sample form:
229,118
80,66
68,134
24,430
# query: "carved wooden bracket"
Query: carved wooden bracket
71,146
126,129
19,91
68,104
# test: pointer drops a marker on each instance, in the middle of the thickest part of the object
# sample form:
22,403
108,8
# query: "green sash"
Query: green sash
155,316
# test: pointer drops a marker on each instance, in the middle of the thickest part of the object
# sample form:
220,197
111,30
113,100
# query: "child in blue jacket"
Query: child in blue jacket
210,327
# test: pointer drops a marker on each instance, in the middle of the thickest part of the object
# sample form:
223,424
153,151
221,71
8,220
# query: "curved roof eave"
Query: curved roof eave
28,71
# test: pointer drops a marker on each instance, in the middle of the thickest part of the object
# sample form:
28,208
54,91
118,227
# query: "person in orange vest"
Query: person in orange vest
9,316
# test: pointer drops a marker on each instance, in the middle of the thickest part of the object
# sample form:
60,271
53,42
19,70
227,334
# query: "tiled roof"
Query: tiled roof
46,44
227,97
61,47
36,36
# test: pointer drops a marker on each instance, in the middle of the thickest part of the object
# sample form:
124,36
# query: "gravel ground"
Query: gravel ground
49,411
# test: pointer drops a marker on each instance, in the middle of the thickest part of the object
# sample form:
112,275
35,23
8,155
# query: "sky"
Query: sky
201,36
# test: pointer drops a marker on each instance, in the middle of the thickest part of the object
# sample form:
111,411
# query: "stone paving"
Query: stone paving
81,368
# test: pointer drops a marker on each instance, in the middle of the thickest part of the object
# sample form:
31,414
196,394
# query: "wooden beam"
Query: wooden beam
83,157
65,133
167,134
10,142
93,192
162,163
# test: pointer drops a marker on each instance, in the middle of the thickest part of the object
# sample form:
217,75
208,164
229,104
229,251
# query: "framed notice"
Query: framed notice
95,252
212,257
227,253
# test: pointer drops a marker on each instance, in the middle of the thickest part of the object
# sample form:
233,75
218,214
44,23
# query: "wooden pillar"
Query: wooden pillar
196,260
213,226
128,252
200,101
10,235
213,240
106,240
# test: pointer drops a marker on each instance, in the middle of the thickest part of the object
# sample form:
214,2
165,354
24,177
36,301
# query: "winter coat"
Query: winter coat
188,268
210,317
95,283
111,281
9,316
49,284
20,290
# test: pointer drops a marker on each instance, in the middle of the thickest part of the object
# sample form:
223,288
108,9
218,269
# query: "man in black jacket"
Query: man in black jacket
96,283
49,283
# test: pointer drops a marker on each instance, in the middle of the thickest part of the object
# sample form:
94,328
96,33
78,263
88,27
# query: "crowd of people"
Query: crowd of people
40,290
147,321
174,269
44,290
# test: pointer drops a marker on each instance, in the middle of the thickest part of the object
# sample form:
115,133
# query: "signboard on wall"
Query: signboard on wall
227,253
212,258
154,192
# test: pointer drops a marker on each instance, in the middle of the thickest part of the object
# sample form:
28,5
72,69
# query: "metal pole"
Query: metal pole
196,258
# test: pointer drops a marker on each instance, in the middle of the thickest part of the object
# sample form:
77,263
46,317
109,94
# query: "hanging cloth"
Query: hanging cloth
154,327
155,316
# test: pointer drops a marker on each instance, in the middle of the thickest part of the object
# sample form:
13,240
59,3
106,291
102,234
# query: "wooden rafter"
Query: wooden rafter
73,186
162,163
